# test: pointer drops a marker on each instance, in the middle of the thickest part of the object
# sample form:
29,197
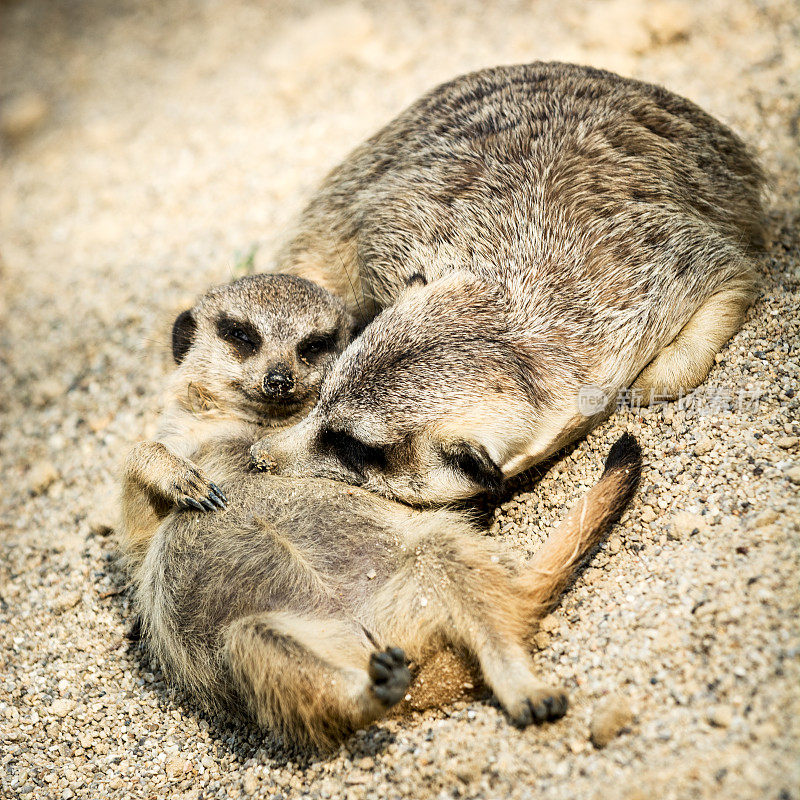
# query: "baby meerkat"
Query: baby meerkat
250,357
300,601
538,239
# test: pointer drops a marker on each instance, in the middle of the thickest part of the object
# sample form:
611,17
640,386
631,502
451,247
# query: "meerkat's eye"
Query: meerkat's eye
315,345
242,335
352,452
474,462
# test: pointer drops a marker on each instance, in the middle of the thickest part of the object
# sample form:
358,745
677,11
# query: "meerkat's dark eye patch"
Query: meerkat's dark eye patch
183,331
353,453
316,345
474,462
242,335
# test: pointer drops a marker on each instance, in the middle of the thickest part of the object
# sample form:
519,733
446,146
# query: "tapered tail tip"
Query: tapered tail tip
625,453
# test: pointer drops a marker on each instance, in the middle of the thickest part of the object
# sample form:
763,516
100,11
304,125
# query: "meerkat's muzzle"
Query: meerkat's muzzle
278,383
291,451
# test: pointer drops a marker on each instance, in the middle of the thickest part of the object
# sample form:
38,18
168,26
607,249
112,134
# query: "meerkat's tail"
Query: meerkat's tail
548,572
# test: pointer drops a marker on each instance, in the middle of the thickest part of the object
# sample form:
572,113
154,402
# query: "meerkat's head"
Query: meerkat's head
257,348
438,399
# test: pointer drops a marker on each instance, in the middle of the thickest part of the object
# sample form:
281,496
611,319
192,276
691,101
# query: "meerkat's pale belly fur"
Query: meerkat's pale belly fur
284,602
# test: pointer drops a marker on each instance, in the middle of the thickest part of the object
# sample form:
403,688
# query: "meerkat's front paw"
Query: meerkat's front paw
543,704
193,490
389,674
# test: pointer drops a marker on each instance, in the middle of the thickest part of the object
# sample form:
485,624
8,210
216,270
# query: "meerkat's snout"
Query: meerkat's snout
278,383
285,449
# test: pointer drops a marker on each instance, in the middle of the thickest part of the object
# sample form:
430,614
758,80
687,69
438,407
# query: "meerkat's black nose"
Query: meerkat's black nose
278,382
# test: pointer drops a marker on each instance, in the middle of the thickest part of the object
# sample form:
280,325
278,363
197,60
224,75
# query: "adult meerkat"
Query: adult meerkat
300,601
250,357
525,232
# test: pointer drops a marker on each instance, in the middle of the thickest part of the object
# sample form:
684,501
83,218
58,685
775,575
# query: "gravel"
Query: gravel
164,144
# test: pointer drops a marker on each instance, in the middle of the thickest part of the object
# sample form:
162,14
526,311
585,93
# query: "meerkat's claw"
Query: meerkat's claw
219,494
209,503
213,501
194,490
190,502
545,706
389,674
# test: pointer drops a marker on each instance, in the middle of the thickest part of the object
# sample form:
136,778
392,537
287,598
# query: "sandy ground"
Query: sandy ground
163,142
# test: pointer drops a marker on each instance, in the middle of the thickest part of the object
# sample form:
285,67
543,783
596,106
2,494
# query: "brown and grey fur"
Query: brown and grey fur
524,231
275,602
250,356
299,602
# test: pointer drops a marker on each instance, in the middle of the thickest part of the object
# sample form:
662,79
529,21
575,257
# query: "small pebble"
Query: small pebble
721,716
65,601
41,476
648,514
703,446
550,623
61,707
668,21
765,518
685,524
175,766
611,716
541,639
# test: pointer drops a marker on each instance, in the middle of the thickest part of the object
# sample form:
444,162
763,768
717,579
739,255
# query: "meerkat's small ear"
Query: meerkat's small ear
183,330
357,328
417,279
474,461
353,327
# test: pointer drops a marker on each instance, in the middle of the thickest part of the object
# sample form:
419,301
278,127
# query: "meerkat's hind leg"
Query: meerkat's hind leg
315,679
508,670
684,363
470,602
537,585
543,578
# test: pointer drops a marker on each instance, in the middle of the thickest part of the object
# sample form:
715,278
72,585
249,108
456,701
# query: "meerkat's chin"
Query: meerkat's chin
286,408
284,415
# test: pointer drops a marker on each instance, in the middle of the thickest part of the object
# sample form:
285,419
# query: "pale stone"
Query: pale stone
41,476
648,514
61,707
611,716
703,446
721,716
685,524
